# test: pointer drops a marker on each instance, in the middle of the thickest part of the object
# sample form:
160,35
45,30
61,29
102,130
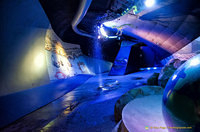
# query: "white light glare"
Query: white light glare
194,62
109,23
174,76
103,32
112,36
39,60
104,89
148,68
149,3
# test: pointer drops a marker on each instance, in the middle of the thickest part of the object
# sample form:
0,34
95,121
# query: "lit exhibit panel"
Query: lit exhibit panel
63,59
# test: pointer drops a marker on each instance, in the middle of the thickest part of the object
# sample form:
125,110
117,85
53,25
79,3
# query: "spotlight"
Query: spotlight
149,3
103,32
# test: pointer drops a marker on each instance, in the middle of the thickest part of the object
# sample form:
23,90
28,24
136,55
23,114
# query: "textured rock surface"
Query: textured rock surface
132,94
153,80
168,70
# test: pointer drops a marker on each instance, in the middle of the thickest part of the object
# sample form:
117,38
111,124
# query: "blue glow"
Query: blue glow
149,3
150,68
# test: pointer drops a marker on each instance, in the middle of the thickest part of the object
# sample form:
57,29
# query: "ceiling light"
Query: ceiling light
149,3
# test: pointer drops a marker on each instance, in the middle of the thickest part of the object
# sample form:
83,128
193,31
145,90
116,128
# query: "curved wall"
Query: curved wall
31,54
22,55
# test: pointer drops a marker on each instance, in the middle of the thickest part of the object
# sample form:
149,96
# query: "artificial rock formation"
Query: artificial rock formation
132,94
153,80
168,70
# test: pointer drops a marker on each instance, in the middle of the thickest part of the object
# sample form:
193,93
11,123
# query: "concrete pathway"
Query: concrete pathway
89,107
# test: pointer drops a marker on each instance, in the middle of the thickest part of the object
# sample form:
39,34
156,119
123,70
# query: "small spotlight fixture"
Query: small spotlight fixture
149,3
103,32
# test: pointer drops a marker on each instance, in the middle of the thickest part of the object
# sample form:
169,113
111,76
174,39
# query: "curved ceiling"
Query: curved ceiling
170,24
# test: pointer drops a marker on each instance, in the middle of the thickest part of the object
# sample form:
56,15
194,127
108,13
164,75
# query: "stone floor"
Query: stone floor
89,107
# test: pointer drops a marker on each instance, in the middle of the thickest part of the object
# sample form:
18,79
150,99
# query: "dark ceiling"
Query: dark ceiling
176,22
62,12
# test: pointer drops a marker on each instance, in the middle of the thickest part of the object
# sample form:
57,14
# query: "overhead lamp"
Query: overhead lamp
149,3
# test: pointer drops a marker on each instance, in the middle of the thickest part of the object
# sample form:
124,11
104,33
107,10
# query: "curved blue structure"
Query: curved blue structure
181,98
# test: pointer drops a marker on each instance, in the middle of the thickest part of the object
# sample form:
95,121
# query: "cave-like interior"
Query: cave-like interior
100,65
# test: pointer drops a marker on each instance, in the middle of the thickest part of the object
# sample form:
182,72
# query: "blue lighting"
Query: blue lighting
150,68
149,3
